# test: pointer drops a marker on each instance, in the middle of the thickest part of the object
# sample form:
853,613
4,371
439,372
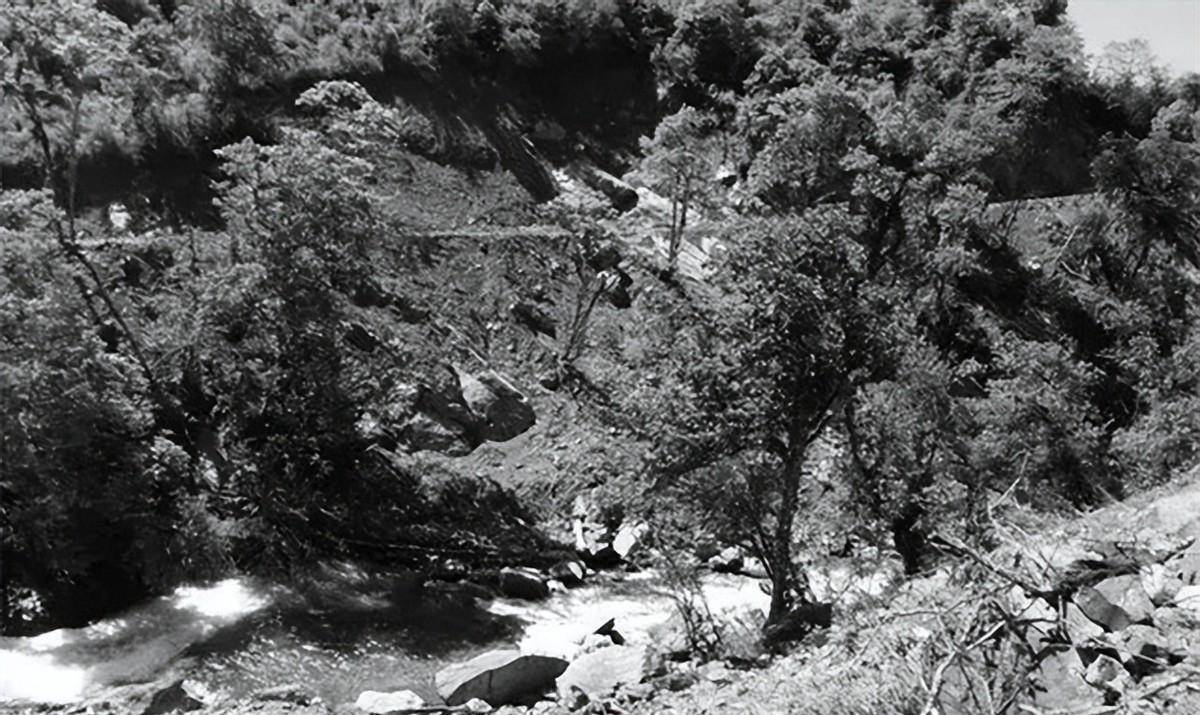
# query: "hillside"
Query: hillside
405,308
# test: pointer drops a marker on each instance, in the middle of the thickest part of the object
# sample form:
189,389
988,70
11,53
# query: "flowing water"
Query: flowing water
352,633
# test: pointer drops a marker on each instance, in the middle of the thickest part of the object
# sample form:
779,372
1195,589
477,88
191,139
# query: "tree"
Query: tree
679,163
785,345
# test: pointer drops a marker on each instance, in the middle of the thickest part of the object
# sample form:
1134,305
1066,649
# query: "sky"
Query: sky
1172,27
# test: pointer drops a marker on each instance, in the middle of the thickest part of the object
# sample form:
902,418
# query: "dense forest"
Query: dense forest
276,278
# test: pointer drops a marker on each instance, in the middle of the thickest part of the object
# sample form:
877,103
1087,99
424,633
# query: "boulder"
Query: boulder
730,560
377,703
498,677
523,583
501,410
569,572
1100,610
1126,592
627,537
598,674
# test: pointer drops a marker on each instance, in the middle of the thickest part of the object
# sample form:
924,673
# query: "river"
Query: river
353,632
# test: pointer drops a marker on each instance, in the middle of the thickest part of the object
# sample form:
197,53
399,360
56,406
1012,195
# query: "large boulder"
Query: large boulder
377,703
523,583
452,419
498,677
501,411
597,675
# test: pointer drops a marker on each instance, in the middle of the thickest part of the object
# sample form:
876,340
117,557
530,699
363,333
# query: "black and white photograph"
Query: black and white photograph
600,357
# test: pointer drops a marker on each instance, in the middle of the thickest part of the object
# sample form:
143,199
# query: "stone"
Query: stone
289,693
598,674
1159,584
1188,598
1126,592
173,698
1186,567
501,410
730,560
523,583
1144,650
1106,672
475,705
1080,628
754,568
498,677
377,703
1059,683
569,572
1100,610
627,538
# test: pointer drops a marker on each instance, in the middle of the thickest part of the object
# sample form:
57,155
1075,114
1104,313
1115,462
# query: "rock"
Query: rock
290,693
1080,628
609,630
502,411
1126,592
534,317
754,568
1185,567
1159,584
729,560
1100,610
475,705
569,572
523,583
1060,685
498,677
1188,598
705,550
1144,651
377,703
715,672
627,538
173,698
556,586
597,675
1106,672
